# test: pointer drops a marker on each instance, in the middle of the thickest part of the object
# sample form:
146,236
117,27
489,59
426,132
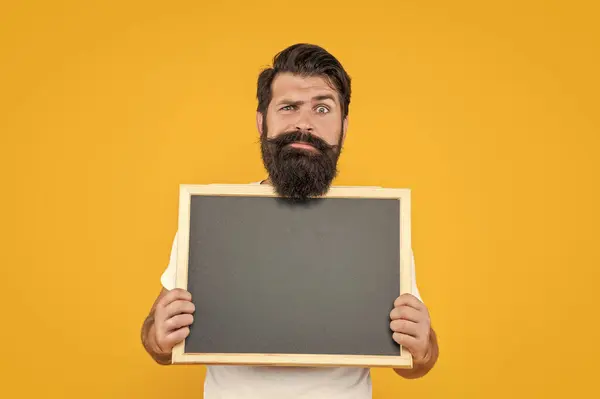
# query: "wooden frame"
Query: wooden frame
403,360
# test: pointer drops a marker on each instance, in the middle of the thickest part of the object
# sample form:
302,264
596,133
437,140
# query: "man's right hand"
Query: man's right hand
172,317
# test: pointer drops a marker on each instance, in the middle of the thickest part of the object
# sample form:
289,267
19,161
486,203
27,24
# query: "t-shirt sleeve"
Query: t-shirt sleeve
169,278
415,288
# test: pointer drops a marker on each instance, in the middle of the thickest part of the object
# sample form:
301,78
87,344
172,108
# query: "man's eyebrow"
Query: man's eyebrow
289,102
324,97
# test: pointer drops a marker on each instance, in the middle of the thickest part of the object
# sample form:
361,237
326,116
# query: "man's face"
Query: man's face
302,135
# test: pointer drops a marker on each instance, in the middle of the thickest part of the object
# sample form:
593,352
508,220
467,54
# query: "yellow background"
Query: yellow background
487,111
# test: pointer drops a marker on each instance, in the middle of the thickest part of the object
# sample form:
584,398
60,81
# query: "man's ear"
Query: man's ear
344,128
259,122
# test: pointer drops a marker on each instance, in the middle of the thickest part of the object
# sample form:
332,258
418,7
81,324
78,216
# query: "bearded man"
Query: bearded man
302,118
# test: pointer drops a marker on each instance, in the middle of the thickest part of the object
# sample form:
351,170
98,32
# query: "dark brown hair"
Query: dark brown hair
305,60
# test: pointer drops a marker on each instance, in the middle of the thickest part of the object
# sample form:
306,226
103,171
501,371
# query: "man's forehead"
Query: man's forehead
287,84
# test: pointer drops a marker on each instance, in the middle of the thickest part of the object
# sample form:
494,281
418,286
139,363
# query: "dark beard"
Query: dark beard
299,173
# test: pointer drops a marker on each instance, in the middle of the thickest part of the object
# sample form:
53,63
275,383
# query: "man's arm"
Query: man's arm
422,366
167,324
411,326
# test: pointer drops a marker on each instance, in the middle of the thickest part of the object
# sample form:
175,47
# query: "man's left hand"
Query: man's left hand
411,327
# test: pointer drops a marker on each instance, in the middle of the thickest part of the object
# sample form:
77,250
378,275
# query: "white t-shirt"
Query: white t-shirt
267,382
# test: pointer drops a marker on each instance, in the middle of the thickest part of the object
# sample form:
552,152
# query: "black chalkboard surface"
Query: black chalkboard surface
281,282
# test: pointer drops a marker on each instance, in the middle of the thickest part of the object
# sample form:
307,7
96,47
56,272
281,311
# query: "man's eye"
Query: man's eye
322,110
287,108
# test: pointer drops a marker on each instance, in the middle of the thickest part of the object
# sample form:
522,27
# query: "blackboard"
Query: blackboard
293,283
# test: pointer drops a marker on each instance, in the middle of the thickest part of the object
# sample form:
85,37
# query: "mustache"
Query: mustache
300,137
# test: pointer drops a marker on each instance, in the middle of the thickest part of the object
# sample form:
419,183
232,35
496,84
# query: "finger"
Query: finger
175,295
409,300
405,327
407,313
176,337
177,322
178,307
405,340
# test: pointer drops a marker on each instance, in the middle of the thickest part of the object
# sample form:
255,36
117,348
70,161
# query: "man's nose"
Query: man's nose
303,123
304,127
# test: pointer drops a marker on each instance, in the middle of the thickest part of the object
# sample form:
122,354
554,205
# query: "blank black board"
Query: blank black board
269,276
